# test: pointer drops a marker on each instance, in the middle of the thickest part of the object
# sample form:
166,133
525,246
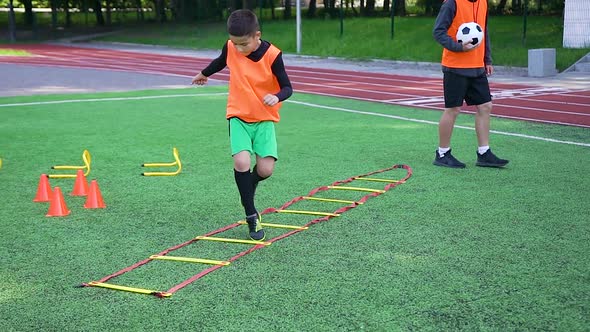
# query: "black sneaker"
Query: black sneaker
447,160
256,231
488,159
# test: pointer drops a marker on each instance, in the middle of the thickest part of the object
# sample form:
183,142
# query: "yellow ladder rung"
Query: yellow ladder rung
222,239
128,289
379,180
242,222
190,260
330,200
310,212
357,189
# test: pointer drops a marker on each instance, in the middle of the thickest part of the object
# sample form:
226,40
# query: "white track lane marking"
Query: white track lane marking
109,59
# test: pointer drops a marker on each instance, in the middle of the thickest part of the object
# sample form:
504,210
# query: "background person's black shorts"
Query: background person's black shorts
474,90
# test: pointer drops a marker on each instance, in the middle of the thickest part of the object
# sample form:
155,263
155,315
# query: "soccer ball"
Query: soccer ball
470,30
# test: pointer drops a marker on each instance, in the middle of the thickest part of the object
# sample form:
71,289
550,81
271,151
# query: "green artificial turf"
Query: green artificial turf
473,249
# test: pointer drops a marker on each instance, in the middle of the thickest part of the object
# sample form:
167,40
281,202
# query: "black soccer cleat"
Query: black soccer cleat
255,229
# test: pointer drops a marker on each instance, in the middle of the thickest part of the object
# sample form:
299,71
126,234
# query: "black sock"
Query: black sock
256,178
246,189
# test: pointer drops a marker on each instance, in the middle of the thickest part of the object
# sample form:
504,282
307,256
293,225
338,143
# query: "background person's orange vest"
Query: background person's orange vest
467,12
249,82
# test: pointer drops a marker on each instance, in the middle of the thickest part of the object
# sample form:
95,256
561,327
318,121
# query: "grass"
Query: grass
362,38
365,38
474,249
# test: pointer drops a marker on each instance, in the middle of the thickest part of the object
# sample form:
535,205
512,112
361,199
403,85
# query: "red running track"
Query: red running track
515,101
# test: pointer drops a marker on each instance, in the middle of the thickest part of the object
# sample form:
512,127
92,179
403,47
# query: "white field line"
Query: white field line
340,109
111,99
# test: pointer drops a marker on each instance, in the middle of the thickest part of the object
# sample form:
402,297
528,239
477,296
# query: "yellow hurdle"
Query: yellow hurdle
176,162
330,200
86,158
314,213
378,180
243,222
128,289
189,260
357,189
223,239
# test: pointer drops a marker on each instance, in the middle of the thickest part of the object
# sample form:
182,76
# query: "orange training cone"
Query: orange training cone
94,199
57,206
43,190
81,185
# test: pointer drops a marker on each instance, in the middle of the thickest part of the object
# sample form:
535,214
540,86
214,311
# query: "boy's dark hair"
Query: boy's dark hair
242,22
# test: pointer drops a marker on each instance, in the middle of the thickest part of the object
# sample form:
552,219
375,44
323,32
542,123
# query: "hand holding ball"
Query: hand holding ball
470,31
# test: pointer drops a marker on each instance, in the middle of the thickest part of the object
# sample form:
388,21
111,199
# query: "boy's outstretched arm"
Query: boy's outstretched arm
215,66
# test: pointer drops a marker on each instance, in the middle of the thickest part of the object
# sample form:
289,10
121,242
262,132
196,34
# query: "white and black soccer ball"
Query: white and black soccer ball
470,30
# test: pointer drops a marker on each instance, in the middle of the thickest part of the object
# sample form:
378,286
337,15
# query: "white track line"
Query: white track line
125,65
340,109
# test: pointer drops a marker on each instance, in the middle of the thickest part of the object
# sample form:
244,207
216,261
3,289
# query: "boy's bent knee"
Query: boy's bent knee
264,172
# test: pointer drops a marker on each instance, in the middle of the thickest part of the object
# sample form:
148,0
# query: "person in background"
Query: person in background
465,69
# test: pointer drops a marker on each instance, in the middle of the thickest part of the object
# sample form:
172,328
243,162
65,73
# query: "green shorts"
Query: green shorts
257,137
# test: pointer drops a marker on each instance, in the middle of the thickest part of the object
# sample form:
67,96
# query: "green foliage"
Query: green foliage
362,38
370,38
474,249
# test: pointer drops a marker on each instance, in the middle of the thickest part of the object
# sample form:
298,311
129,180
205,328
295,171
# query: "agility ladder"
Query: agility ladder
255,245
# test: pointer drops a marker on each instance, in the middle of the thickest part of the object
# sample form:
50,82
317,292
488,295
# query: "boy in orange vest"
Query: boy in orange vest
465,68
258,83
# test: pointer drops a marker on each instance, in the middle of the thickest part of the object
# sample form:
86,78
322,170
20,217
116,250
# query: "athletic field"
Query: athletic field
473,249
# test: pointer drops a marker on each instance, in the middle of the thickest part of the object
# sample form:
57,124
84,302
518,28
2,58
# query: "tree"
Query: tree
29,15
431,7
350,3
160,11
11,22
400,7
287,13
53,4
311,9
501,6
97,6
66,4
139,9
370,8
